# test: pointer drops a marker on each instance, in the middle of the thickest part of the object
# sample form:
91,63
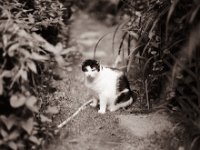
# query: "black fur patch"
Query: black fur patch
123,97
122,85
92,63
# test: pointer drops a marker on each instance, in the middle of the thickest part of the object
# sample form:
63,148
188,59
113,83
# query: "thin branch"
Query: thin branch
74,114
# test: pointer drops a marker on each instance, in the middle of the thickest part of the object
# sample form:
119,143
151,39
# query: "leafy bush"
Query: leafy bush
25,55
167,52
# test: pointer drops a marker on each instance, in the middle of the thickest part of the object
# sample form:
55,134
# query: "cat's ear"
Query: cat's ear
84,66
98,65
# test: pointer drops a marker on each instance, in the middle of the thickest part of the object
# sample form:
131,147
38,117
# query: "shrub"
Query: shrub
167,51
25,54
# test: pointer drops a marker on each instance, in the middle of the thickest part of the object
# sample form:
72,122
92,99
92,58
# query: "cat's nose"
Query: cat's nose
89,76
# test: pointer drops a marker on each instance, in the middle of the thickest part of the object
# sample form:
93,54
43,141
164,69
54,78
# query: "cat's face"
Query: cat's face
91,68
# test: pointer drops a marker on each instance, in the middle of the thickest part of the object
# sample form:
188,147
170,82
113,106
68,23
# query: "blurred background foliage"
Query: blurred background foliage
105,11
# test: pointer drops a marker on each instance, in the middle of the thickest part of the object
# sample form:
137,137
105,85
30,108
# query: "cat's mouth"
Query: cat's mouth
90,78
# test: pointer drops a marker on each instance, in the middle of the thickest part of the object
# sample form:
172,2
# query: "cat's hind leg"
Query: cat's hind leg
121,105
125,94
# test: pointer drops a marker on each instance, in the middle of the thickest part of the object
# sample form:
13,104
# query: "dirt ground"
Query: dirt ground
121,130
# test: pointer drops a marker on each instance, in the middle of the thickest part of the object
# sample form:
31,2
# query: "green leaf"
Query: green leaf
33,29
12,49
45,119
24,75
58,47
17,101
30,103
153,52
68,50
25,52
59,59
52,110
1,86
12,145
28,125
5,39
14,135
4,133
8,122
155,44
20,144
23,33
35,140
69,69
133,34
36,56
31,18
46,45
151,35
31,65
7,74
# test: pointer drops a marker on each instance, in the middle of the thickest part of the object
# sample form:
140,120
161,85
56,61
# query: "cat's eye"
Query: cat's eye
84,70
94,69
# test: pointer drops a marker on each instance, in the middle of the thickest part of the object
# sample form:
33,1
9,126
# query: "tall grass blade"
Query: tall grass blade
194,13
95,48
132,56
113,38
171,10
121,43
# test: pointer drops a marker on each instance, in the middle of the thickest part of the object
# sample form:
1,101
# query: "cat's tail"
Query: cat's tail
122,104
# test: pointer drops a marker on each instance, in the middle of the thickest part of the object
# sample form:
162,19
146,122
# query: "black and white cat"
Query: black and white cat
111,86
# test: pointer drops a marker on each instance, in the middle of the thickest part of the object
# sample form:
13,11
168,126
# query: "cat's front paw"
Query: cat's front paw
101,111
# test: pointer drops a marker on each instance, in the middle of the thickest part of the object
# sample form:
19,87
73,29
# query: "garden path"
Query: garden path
121,130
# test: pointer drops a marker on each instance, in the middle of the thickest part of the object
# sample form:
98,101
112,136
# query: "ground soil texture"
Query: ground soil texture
121,130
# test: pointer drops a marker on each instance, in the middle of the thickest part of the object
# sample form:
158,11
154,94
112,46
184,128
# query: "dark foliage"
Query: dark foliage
167,54
29,30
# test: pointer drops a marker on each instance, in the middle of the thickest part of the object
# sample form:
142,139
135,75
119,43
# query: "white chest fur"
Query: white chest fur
105,83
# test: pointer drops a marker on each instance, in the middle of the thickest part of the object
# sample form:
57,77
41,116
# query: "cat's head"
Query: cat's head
91,68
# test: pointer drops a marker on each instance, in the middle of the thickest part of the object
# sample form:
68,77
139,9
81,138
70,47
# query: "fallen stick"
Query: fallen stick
74,114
